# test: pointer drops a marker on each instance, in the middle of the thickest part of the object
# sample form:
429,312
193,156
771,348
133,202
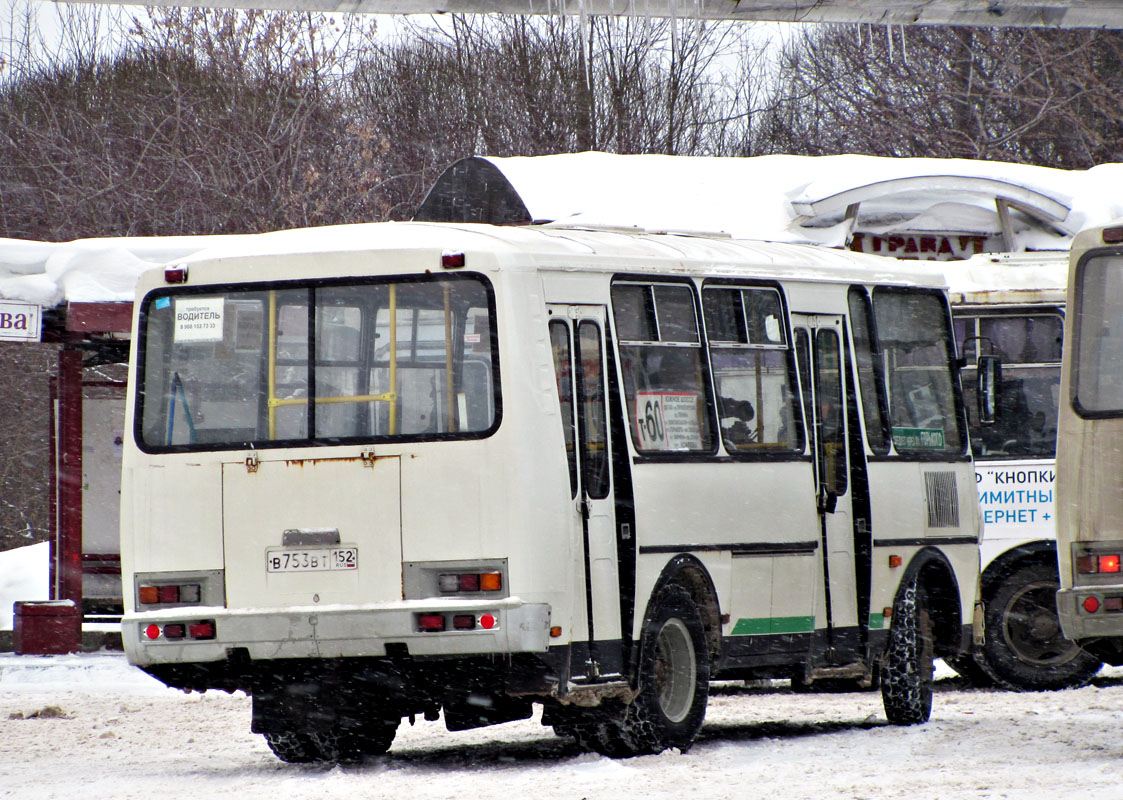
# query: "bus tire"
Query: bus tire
906,672
1024,648
673,681
968,668
304,748
373,739
347,748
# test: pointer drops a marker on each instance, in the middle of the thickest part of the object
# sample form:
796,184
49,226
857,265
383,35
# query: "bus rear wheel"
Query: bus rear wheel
906,672
304,748
674,679
307,747
1024,648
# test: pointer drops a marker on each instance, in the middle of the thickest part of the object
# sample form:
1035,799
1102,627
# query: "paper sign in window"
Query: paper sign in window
199,319
667,421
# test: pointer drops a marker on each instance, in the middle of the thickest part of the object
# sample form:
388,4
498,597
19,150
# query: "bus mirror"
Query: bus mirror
990,377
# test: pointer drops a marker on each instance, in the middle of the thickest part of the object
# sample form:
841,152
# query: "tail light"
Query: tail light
453,582
1098,564
439,622
169,594
200,630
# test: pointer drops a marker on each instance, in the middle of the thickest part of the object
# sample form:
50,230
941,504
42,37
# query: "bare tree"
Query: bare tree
1045,97
204,122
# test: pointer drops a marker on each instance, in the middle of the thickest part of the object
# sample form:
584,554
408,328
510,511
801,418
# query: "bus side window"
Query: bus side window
752,368
664,371
914,333
563,371
870,378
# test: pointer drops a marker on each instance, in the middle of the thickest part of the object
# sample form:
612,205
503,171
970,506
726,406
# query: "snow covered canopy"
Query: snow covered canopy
838,201
827,200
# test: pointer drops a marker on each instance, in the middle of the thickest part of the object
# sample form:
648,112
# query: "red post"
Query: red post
69,550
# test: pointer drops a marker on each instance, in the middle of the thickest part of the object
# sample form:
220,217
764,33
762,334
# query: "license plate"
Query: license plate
312,559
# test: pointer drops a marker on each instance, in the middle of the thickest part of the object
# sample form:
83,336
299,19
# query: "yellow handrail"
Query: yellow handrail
450,397
393,358
273,402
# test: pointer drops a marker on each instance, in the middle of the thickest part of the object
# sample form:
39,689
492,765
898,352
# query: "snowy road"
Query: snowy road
118,734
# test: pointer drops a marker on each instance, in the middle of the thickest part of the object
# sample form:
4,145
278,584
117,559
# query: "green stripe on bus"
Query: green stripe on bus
877,621
764,625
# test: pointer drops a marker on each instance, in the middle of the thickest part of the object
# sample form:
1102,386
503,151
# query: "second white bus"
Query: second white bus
1010,306
398,470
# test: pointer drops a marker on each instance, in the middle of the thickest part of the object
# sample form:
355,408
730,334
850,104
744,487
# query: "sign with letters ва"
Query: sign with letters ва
19,321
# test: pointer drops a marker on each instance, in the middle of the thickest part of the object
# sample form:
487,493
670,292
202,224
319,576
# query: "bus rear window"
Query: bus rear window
232,368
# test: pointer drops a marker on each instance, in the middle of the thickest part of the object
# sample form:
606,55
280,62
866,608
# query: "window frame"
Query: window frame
311,285
798,450
707,387
1076,343
963,452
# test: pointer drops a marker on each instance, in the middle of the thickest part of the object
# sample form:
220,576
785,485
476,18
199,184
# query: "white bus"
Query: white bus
407,469
1090,447
1011,306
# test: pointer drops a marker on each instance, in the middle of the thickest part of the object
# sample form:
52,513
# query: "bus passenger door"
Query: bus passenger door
577,337
826,390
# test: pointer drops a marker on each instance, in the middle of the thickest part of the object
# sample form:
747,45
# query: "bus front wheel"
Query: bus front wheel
906,672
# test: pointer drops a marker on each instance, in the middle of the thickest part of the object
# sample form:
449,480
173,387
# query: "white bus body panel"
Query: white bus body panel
425,502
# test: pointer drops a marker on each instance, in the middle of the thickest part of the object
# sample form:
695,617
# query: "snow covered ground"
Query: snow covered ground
90,726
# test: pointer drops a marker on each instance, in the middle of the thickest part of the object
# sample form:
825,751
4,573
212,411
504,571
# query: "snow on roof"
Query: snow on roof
994,278
88,270
753,198
804,198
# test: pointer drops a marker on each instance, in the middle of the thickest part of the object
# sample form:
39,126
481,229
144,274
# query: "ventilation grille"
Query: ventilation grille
943,500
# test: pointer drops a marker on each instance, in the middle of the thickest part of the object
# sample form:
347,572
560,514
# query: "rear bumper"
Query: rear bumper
337,631
1077,624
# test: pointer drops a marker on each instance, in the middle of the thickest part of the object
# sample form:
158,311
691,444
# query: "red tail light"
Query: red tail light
431,622
169,594
175,631
201,630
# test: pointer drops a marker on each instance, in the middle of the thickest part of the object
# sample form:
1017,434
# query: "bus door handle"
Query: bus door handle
828,500
583,508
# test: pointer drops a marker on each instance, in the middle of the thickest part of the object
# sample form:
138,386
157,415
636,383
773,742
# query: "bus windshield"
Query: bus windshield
1030,348
392,359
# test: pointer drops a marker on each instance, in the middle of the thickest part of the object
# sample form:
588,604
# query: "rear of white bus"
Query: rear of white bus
1090,448
330,533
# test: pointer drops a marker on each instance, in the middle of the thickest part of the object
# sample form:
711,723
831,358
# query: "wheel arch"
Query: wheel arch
1042,551
687,571
933,572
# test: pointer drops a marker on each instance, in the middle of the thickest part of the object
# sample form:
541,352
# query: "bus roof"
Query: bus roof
577,248
1008,279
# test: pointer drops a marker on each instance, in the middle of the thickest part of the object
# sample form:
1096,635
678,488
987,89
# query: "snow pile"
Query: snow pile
769,197
24,574
87,270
